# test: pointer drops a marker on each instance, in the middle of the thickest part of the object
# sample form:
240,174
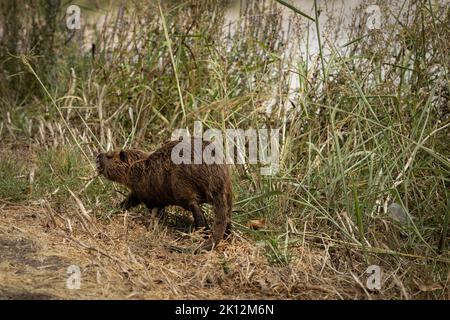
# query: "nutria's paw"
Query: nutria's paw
228,230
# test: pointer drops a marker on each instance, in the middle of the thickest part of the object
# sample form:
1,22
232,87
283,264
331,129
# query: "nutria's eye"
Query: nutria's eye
123,156
109,155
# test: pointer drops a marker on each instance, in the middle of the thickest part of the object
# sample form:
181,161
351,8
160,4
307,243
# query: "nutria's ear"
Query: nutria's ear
122,155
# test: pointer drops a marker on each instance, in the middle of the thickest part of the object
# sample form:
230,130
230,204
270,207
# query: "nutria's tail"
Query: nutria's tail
222,220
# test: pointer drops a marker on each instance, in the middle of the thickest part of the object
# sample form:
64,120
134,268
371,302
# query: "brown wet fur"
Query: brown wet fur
156,181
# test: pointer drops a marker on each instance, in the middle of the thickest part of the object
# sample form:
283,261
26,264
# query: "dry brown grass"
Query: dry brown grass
125,259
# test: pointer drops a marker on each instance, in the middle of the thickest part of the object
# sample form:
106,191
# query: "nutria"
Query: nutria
155,180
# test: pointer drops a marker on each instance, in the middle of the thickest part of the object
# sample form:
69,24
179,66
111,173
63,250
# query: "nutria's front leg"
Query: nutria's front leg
199,217
130,201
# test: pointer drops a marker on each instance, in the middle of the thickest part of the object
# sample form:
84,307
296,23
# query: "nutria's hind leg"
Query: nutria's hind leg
129,202
221,222
199,217
228,215
228,230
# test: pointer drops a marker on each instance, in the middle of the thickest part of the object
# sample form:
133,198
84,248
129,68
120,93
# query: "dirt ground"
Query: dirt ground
128,259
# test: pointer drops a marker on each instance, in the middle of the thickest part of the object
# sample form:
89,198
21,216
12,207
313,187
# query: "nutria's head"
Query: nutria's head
115,165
